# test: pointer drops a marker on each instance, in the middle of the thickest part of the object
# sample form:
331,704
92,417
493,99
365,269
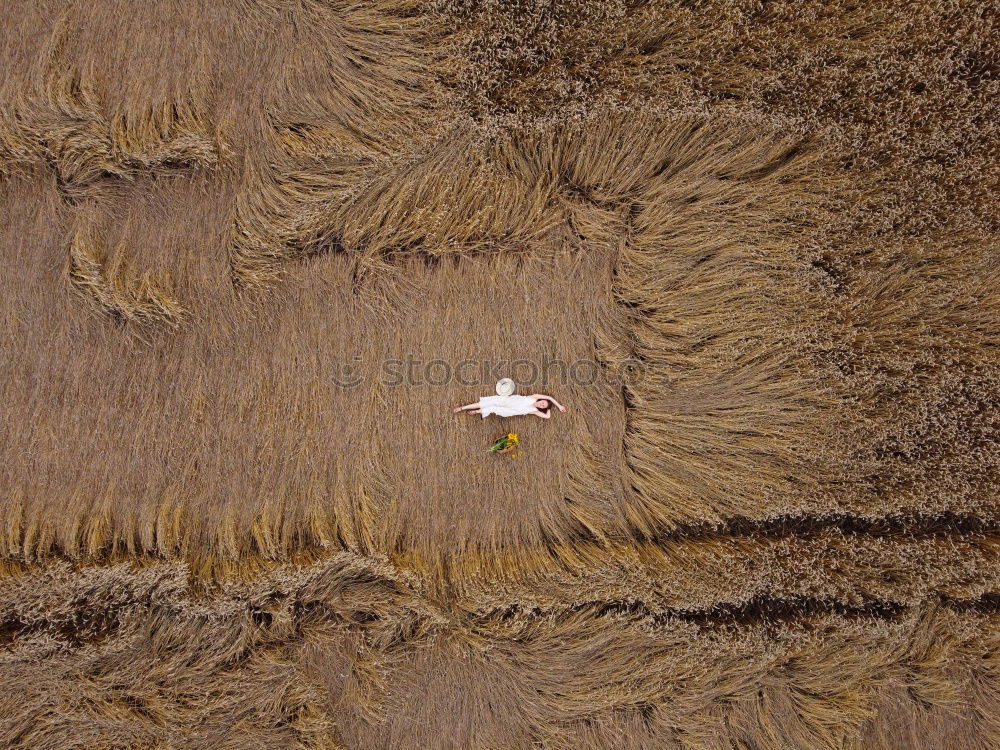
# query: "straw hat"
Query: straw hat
505,387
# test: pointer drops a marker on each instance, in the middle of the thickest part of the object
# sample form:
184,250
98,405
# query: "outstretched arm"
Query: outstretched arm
559,406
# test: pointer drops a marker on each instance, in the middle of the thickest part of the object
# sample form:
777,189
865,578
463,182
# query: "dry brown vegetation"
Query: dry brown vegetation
779,530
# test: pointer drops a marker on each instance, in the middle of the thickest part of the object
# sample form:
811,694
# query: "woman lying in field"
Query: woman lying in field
513,405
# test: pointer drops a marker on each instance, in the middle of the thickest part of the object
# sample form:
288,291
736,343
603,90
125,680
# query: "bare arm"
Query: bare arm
537,396
542,414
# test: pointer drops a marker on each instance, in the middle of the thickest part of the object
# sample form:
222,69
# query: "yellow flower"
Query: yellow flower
512,438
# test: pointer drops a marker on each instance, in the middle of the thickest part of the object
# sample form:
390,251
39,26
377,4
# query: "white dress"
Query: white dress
506,406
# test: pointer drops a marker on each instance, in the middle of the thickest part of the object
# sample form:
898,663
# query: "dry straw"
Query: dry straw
781,534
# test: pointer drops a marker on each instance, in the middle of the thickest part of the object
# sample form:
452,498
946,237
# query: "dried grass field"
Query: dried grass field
769,519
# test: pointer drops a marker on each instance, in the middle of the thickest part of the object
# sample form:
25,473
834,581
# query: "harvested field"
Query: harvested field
253,254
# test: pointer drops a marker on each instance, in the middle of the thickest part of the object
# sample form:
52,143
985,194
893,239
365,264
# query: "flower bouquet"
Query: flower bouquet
506,445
